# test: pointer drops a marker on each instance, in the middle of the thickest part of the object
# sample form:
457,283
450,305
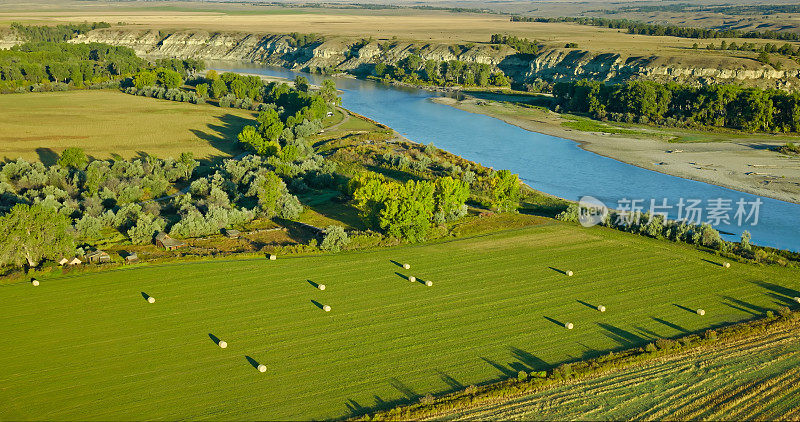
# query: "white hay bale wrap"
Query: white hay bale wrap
151,299
326,308
262,368
727,265
568,273
568,326
429,283
412,279
273,257
321,287
701,312
35,282
797,299
222,344
601,308
406,266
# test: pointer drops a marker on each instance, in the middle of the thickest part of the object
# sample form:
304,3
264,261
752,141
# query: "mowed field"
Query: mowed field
91,347
754,378
37,126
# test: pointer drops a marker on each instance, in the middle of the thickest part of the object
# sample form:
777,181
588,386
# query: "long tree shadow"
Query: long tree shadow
403,389
777,289
744,306
47,156
506,372
223,136
531,362
450,381
671,325
621,336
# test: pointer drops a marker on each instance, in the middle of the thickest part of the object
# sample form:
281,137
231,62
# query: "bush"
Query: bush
335,239
650,348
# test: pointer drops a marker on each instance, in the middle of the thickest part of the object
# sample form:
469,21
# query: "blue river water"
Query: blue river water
555,165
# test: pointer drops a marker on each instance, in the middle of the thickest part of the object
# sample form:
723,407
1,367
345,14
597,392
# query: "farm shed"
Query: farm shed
98,257
232,233
164,241
131,257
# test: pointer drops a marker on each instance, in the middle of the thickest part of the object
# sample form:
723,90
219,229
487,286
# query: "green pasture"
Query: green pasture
90,347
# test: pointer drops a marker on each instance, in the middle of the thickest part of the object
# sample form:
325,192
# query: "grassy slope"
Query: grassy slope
90,347
37,125
753,378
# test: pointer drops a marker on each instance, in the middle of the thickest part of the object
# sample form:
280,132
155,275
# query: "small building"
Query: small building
131,257
63,261
164,241
232,233
98,257
75,261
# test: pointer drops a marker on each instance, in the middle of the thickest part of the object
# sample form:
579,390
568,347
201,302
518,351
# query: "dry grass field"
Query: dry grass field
753,378
41,125
406,24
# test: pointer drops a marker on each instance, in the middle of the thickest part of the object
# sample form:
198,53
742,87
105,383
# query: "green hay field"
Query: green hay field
38,126
89,346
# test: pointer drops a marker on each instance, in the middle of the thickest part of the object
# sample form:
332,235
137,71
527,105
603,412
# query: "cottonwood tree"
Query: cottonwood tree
505,190
73,158
31,233
449,196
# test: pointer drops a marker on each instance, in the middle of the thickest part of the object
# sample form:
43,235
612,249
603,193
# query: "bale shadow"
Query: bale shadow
316,285
396,263
317,304
587,304
214,338
252,361
145,295
554,321
557,270
719,264
694,311
403,276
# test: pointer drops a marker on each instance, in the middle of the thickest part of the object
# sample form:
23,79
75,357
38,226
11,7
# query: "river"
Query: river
555,165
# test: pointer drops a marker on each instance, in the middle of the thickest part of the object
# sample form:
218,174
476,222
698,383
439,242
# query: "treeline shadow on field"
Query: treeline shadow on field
224,135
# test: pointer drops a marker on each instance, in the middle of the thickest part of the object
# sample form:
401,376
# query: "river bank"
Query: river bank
746,164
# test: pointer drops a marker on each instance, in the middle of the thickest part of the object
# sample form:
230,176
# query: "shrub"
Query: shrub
650,348
335,238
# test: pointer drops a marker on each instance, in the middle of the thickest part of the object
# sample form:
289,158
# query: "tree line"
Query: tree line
42,65
672,104
58,33
641,28
414,70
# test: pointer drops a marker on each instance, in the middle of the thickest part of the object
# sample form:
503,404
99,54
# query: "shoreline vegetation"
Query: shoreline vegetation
740,165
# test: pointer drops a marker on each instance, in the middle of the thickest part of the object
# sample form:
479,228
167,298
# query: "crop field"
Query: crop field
90,347
38,126
754,378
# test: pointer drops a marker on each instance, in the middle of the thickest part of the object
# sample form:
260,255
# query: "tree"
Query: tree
201,90
301,84
144,78
31,233
328,92
168,78
407,211
369,191
335,238
145,228
505,190
269,188
218,88
746,240
449,198
73,158
270,125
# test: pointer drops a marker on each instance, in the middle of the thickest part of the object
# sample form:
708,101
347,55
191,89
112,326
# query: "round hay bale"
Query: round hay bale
601,308
262,368
429,283
569,273
151,299
797,299
568,326
406,266
321,287
222,344
35,282
412,279
272,257
701,312
326,308
727,265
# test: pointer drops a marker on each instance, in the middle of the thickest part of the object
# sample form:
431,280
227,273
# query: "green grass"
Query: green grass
90,347
590,125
